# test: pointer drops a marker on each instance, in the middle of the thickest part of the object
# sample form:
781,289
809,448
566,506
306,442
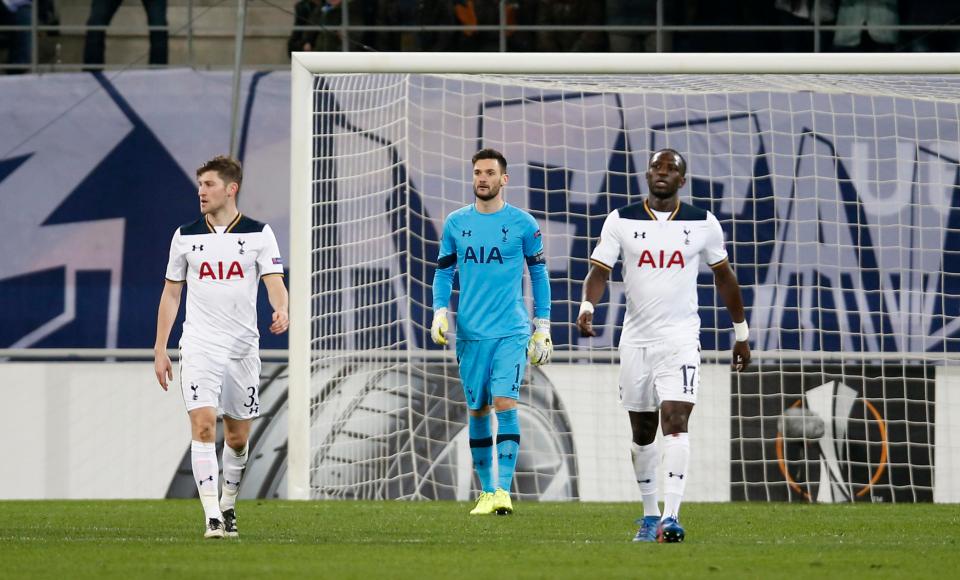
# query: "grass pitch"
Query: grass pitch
377,540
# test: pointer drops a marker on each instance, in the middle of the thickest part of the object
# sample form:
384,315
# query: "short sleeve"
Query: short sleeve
269,261
177,263
607,251
714,252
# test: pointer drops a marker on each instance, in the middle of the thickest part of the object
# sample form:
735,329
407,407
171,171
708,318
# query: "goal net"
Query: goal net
838,196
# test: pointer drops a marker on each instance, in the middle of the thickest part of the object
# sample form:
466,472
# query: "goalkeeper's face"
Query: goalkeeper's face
487,179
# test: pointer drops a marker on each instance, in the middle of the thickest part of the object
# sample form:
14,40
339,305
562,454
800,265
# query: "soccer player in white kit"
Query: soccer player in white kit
221,258
662,242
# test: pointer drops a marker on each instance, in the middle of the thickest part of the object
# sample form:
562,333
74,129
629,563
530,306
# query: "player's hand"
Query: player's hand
438,330
585,324
163,368
540,347
281,322
741,356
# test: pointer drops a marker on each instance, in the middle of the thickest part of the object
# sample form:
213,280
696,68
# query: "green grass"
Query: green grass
378,540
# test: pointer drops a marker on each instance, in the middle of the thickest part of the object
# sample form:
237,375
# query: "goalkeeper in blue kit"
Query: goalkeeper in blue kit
488,242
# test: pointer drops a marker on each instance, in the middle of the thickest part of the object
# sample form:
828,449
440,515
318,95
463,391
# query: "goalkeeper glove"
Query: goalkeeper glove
438,329
540,346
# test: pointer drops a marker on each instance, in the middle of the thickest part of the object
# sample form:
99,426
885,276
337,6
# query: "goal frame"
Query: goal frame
304,65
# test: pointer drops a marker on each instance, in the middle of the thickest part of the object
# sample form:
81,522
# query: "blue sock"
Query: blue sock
481,448
508,447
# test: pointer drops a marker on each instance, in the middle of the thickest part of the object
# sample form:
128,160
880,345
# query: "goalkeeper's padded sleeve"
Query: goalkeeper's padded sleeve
540,281
443,281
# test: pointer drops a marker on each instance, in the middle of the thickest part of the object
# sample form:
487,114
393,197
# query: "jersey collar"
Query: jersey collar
230,227
653,216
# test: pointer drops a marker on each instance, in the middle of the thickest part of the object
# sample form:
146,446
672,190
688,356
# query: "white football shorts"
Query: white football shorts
230,385
649,375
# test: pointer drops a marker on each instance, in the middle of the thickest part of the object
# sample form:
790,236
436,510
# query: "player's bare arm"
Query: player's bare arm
729,290
593,288
277,294
166,314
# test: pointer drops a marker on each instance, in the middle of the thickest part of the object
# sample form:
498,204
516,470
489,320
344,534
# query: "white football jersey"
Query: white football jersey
222,272
661,260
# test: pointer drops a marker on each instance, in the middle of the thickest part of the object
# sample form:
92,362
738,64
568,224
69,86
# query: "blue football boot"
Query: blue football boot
670,531
648,529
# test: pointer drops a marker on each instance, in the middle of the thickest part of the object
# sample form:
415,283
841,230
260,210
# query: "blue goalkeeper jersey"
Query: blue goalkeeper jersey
489,251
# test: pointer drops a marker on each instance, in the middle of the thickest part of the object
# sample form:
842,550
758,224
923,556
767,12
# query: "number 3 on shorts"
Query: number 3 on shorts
253,398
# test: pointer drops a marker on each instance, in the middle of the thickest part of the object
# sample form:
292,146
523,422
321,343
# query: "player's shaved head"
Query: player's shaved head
227,168
491,154
681,162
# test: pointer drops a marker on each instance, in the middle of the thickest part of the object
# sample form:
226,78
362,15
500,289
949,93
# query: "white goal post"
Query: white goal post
781,148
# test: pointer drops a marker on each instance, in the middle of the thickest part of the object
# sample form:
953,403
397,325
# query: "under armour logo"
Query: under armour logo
233,483
515,387
639,235
672,474
480,463
505,456
241,242
504,230
687,390
686,232
644,480
209,478
466,233
198,247
194,389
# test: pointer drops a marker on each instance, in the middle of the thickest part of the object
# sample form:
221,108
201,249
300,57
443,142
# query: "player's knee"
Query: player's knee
235,441
674,423
644,427
206,432
504,403
481,412
644,437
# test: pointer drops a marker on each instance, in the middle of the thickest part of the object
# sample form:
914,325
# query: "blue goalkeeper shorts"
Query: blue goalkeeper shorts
491,368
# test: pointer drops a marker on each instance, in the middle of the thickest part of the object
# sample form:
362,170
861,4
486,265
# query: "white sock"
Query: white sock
645,461
676,459
203,456
234,463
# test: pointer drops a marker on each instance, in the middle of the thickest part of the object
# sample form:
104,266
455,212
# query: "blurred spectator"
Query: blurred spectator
327,14
801,13
302,40
570,13
473,13
864,16
399,13
414,13
730,14
934,13
16,13
634,13
102,12
47,14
